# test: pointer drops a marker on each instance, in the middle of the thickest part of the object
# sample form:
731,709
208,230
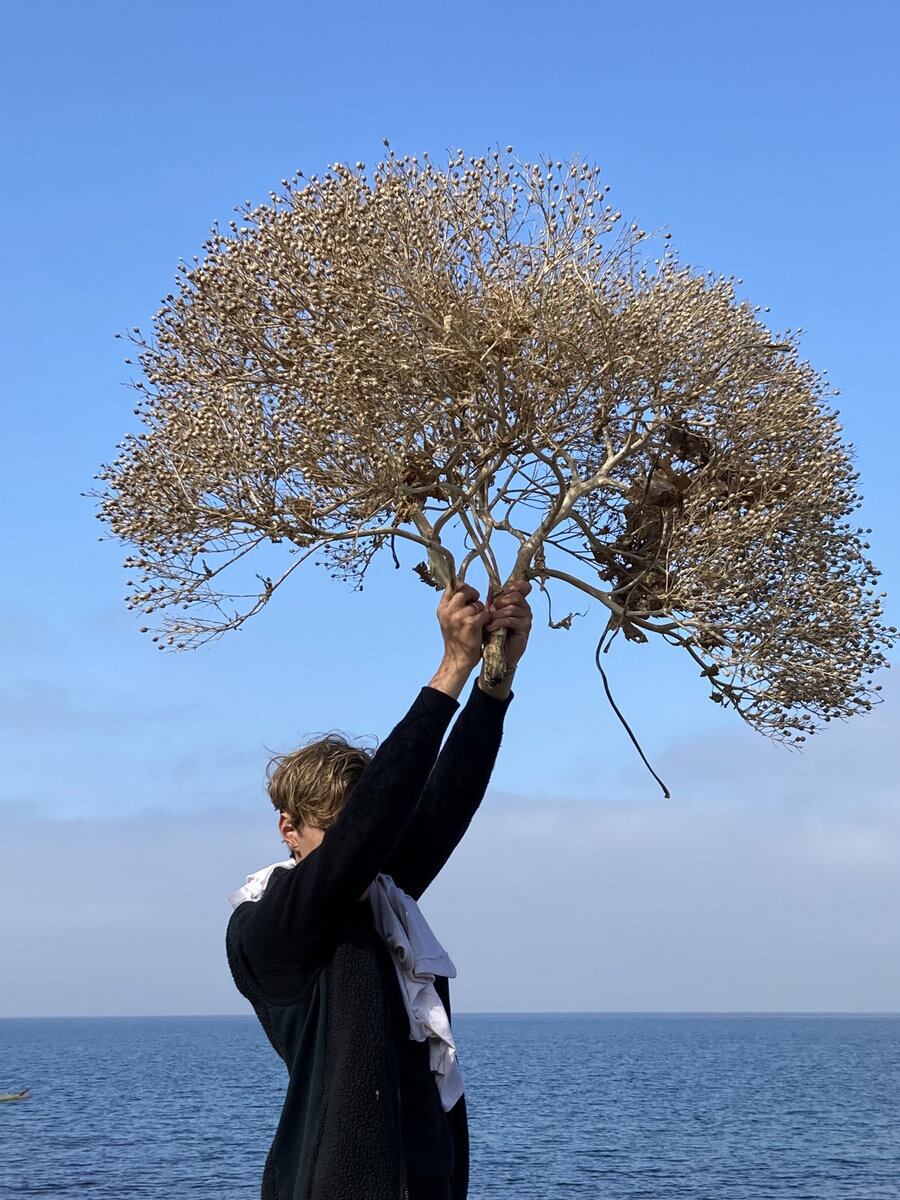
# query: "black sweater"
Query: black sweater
362,1118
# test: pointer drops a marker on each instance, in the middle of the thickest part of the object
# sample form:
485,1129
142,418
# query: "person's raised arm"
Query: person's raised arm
463,770
295,923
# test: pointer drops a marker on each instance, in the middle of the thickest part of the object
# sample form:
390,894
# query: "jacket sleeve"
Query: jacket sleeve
297,919
452,795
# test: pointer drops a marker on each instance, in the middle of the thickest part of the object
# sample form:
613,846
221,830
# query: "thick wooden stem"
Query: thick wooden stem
494,657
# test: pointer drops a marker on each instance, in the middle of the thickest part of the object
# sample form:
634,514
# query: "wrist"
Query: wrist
451,676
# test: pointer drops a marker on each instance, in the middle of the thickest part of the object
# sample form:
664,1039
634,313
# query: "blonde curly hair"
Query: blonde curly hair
311,783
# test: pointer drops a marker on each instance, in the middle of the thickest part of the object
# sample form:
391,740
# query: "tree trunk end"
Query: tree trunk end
494,657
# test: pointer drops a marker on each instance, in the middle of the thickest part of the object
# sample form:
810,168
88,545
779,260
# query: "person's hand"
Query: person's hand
510,610
462,616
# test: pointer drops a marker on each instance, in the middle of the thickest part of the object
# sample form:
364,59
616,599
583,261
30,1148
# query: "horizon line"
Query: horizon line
611,1012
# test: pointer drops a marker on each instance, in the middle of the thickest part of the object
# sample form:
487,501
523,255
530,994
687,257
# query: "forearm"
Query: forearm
453,793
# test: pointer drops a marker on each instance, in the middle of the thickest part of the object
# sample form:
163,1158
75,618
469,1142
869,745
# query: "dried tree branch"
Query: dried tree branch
363,361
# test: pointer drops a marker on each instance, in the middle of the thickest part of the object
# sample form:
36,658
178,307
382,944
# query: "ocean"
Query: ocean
600,1106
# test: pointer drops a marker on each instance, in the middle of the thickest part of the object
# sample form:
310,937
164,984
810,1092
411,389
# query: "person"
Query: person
358,1011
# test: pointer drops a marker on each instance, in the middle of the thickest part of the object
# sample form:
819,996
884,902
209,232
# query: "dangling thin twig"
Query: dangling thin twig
666,792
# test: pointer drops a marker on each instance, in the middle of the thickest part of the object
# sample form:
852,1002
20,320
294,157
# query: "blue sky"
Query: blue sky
132,784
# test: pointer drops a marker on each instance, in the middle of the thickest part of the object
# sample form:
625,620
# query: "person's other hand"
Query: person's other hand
510,610
462,616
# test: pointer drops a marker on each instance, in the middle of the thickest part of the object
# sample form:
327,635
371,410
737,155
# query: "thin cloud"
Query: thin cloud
33,707
786,901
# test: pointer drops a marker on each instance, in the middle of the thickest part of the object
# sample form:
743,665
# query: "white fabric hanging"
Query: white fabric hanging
256,883
418,956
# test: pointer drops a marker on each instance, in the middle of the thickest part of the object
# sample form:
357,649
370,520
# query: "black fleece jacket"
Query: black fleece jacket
362,1118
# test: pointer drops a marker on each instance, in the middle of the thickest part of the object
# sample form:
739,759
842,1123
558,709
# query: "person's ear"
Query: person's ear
287,830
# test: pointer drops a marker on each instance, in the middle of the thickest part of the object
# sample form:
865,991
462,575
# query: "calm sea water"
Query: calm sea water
606,1107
